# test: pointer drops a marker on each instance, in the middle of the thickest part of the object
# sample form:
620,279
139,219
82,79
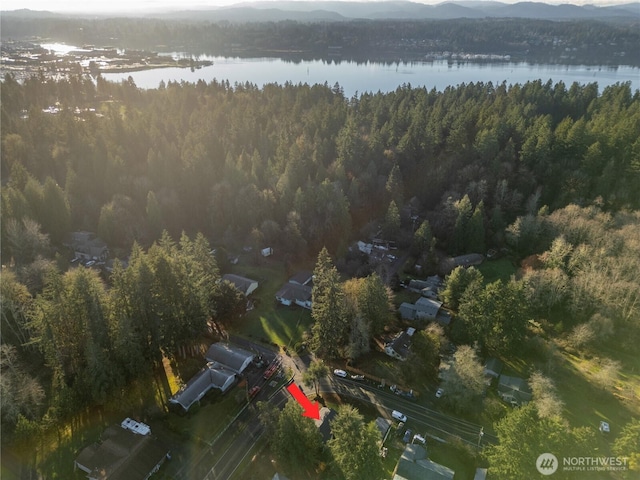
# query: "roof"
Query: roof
241,283
402,343
227,355
279,476
407,310
515,387
122,455
324,422
428,307
212,376
383,425
302,278
493,367
481,474
293,291
414,465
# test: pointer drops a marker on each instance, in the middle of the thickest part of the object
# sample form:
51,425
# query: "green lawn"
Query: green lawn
500,269
270,322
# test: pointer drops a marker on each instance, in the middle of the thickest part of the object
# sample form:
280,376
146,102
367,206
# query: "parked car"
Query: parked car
419,438
357,377
604,427
270,371
407,436
254,391
439,393
393,388
399,416
340,373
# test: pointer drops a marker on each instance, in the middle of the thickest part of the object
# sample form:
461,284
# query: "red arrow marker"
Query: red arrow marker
311,410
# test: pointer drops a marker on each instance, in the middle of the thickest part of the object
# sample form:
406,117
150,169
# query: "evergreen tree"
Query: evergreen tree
475,233
391,226
330,326
354,446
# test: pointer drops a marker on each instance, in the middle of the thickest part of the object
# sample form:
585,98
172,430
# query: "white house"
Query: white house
292,293
399,347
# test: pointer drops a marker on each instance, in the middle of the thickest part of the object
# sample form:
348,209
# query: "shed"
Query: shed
245,285
229,356
266,252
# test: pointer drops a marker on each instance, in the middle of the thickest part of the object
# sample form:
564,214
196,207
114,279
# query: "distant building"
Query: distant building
400,346
449,264
243,284
122,454
229,356
87,246
414,465
427,288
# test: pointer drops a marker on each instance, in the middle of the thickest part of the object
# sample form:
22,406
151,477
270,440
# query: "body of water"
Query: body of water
376,76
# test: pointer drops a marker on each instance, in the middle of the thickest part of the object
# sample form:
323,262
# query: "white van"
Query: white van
399,416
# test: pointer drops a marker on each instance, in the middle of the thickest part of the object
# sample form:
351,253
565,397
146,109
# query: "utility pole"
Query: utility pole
480,435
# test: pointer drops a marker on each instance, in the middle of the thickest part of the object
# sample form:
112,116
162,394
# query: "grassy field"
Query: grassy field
500,269
271,322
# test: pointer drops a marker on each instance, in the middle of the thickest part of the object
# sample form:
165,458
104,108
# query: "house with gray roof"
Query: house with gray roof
243,284
399,347
213,376
493,367
295,294
414,465
514,390
304,277
424,309
229,356
122,454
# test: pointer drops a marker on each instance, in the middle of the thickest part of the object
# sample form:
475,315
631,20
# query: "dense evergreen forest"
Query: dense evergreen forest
541,168
588,42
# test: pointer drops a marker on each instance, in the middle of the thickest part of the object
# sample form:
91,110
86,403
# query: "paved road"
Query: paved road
430,421
228,452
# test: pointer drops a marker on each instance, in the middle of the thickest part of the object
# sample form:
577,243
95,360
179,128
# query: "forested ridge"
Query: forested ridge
585,42
541,168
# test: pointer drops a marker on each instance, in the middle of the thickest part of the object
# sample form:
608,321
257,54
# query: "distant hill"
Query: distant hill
337,11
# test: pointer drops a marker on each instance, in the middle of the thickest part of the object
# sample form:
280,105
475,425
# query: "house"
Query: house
414,465
229,356
210,377
399,347
424,309
514,390
292,293
493,368
87,246
365,247
245,285
304,277
449,264
122,454
324,423
427,288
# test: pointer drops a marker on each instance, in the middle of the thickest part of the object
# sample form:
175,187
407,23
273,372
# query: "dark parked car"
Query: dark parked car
407,436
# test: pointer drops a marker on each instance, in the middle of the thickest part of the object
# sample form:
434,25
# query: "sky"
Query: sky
155,5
